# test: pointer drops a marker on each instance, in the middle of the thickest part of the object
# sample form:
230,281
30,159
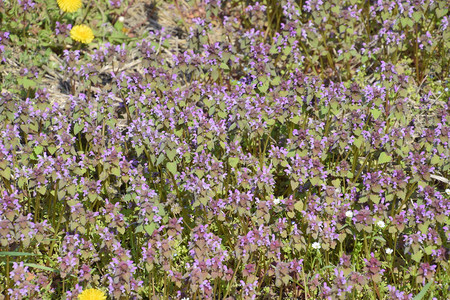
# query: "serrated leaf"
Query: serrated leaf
233,161
6,173
298,205
440,12
38,150
115,171
375,113
52,149
224,66
263,88
417,15
435,160
273,49
171,154
77,128
315,181
384,158
358,142
199,173
26,83
160,159
226,56
172,167
276,80
215,74
149,228
270,122
417,256
139,228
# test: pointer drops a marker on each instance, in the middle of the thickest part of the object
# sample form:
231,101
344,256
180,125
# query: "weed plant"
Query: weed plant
290,150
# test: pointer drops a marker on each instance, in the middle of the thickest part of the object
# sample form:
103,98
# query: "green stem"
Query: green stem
232,279
413,188
57,229
416,53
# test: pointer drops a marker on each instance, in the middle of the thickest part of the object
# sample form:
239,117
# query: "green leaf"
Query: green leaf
52,149
171,154
270,122
407,22
273,49
215,74
38,150
276,80
417,15
40,267
77,128
160,159
115,171
384,158
14,253
226,57
315,181
358,142
224,66
423,291
263,88
233,161
380,238
118,25
6,173
298,205
417,256
172,167
428,250
26,83
440,12
435,160
375,113
149,228
199,173
139,228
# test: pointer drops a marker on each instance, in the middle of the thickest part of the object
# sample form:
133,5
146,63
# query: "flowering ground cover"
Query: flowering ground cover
273,150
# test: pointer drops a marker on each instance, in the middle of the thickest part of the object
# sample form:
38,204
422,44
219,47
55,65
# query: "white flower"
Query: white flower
447,191
316,245
349,214
381,224
121,19
276,201
389,251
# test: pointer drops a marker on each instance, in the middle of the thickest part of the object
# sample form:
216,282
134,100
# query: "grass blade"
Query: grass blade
423,291
40,267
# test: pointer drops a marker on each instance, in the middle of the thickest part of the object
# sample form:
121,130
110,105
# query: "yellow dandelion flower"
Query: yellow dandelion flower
69,5
92,294
82,34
